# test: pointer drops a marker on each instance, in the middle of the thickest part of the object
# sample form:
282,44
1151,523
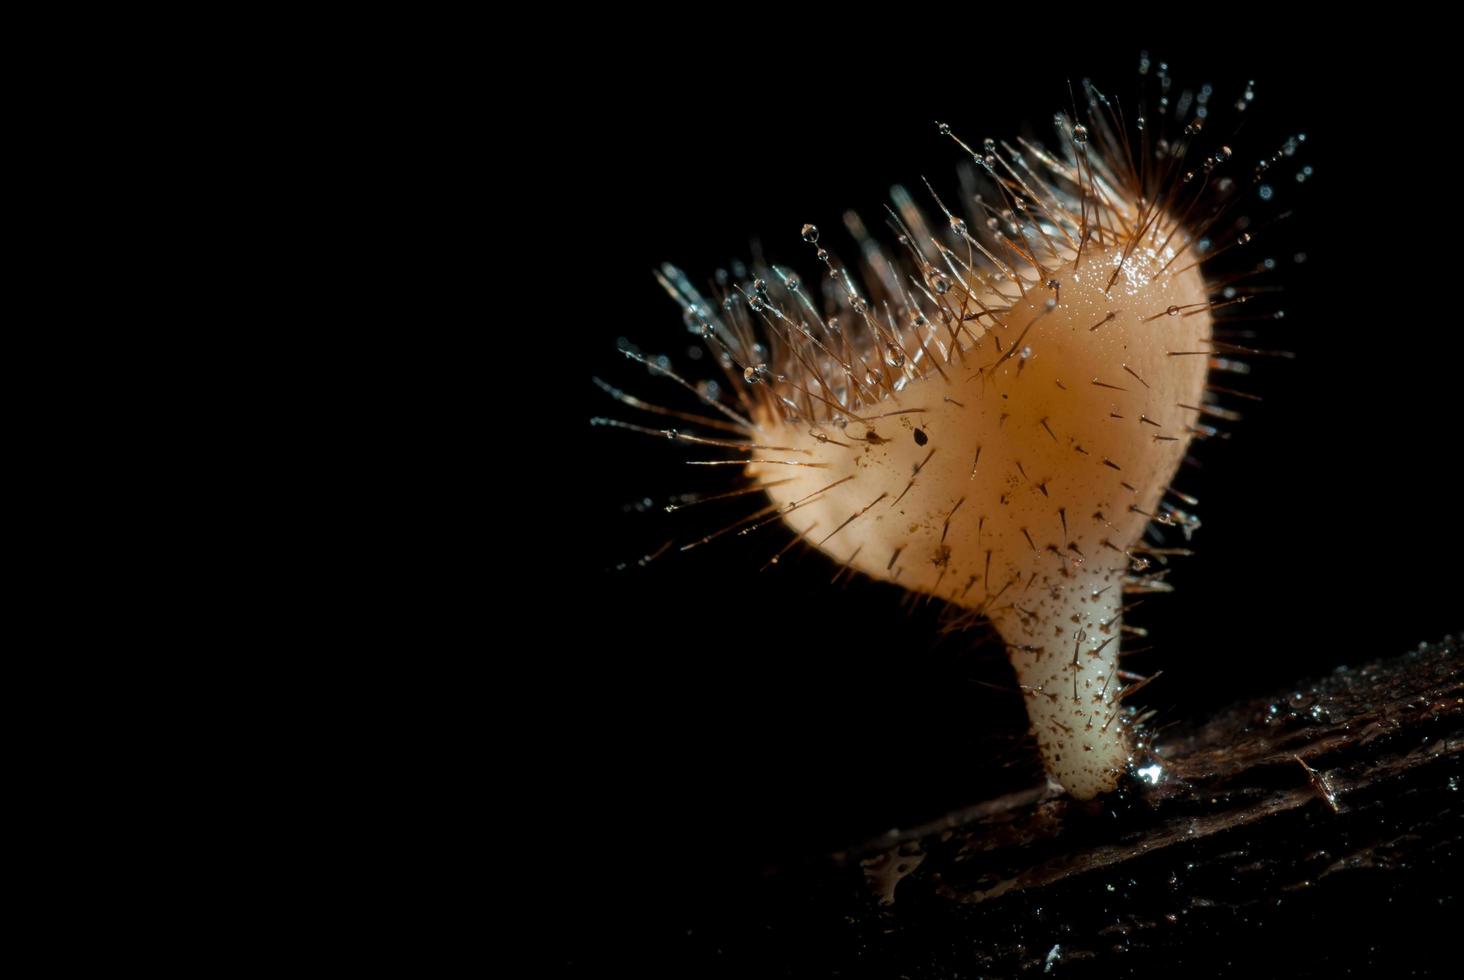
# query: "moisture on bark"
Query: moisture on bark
1318,832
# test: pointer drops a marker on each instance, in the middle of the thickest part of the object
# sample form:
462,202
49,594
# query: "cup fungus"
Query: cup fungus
993,412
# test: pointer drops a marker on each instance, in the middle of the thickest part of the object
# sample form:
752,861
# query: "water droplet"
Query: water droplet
752,375
756,303
939,282
872,377
1266,192
1222,154
822,255
945,128
1142,123
1080,135
958,226
792,284
894,357
1026,353
989,145
1173,311
810,234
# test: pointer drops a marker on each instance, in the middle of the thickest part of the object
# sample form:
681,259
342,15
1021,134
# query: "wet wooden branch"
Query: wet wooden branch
1316,832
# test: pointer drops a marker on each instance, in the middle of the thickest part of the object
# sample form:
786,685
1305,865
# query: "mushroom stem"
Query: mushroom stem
1071,687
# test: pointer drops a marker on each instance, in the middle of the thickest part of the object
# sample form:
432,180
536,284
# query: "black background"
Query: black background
706,722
